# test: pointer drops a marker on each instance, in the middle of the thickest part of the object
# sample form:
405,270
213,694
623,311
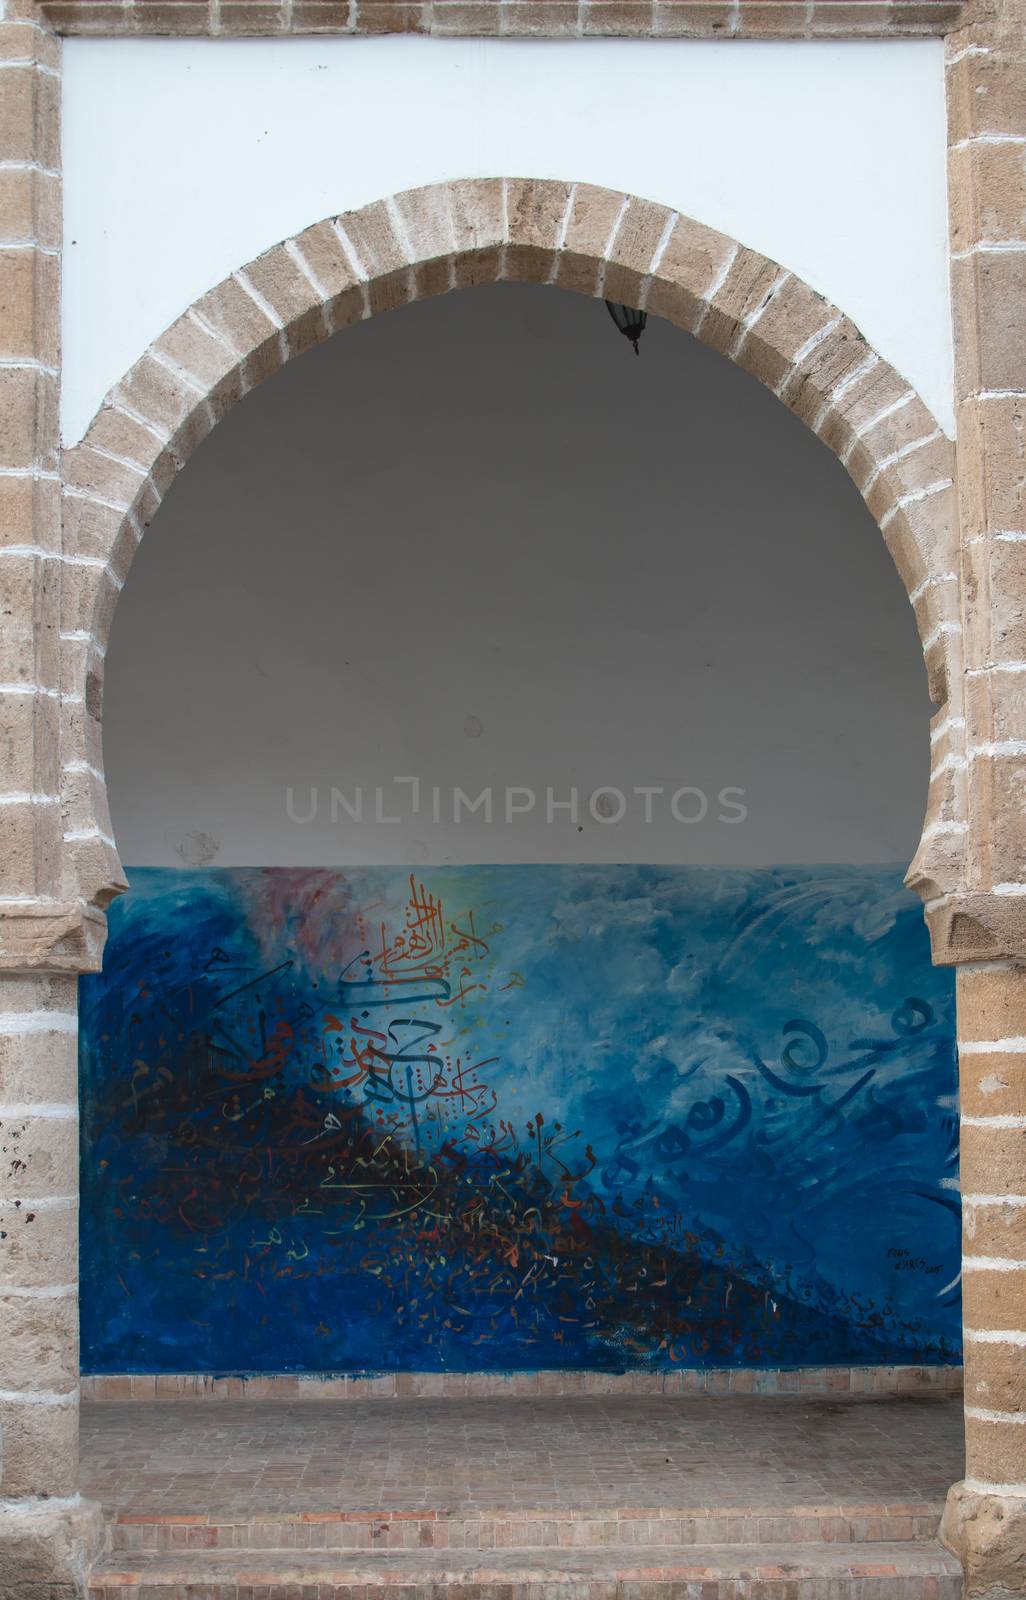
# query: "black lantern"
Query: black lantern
631,323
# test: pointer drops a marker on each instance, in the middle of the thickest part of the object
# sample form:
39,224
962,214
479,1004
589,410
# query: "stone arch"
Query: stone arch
428,241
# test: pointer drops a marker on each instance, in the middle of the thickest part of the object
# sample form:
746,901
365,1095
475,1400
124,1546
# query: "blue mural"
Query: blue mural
518,1117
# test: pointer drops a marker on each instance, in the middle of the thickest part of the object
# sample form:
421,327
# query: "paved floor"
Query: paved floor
254,1456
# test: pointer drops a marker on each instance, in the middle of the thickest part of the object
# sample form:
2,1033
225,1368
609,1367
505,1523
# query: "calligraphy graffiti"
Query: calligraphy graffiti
520,1117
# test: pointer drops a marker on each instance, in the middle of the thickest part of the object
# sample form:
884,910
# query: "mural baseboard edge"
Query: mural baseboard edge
521,1385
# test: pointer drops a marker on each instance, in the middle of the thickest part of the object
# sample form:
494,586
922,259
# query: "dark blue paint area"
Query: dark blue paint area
518,1117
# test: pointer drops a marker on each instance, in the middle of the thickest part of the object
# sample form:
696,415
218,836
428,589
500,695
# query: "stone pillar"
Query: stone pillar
47,1535
985,1517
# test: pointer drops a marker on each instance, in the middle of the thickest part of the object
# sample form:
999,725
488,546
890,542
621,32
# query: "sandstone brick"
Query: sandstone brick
38,1248
121,435
30,206
989,291
995,1451
988,1533
992,1005
996,850
617,18
992,464
94,474
689,19
204,357
39,1339
861,403
171,17
474,18
543,19
320,16
39,1066
693,259
96,869
851,18
30,117
29,305
28,418
240,18
987,184
745,290
794,314
995,1230
28,641
28,741
995,707
476,205
40,1449
535,211
283,284
921,537
400,16
993,1085
985,95
638,237
374,240
994,577
993,1161
593,220
85,17
834,360
916,473
157,395
774,19
239,320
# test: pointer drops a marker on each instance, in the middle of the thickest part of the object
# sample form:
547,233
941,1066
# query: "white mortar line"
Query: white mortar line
715,287
79,835
940,631
75,493
38,1397
29,688
121,461
949,723
208,328
60,1291
998,1120
21,797
899,455
988,138
45,1110
990,1047
258,300
44,1503
999,747
600,285
49,1202
969,50
1008,1491
744,328
912,499
994,1336
992,1264
83,766
990,247
564,229
930,583
159,433
979,1414
656,262
13,1023
176,370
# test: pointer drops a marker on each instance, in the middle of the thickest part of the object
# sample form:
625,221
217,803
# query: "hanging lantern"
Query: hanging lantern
631,323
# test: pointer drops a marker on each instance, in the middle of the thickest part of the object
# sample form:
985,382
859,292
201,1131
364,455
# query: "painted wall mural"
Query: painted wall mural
519,1117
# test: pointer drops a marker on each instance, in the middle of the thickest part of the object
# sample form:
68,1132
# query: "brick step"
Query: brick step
906,1570
515,1528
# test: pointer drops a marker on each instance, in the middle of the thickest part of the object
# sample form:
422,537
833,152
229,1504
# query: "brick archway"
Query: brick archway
425,242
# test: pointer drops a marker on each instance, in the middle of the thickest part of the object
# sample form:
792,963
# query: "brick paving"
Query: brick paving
452,1456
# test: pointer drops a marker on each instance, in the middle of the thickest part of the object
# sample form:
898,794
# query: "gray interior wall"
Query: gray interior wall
478,543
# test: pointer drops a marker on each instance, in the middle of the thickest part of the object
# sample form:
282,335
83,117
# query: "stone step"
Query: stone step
513,1528
905,1570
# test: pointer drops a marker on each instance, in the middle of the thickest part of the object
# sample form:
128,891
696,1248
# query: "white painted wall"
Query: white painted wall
184,159
478,542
